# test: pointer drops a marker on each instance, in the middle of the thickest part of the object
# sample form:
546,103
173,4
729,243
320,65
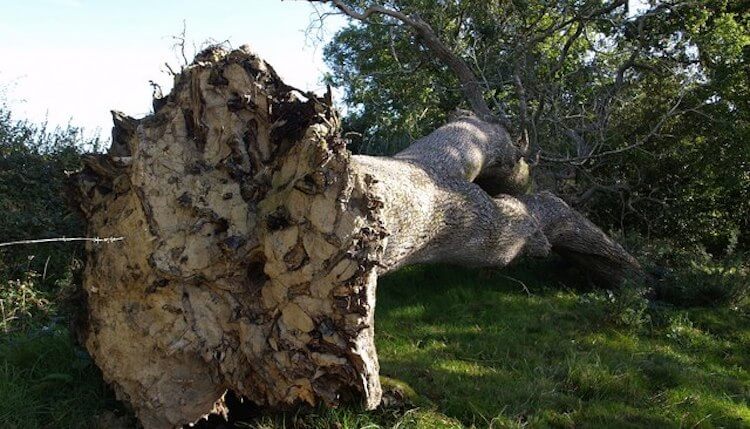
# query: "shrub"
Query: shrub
33,165
690,276
22,304
708,284
628,307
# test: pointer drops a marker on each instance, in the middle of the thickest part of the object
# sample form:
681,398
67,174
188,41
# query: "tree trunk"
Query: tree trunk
253,240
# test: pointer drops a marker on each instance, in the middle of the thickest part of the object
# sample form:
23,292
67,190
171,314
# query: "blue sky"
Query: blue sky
63,59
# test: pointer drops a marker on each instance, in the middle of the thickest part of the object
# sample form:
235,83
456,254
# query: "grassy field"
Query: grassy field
468,348
487,354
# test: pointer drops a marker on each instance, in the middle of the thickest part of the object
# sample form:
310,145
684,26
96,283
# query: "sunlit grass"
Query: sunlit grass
473,348
485,352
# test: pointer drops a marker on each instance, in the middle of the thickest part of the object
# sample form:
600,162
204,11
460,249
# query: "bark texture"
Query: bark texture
253,240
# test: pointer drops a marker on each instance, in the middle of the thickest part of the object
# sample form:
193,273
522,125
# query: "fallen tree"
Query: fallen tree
253,239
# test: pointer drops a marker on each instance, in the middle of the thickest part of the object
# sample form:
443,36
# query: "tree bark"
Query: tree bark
253,240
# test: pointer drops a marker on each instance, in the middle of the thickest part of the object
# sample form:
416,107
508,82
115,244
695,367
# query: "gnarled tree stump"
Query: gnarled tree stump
253,240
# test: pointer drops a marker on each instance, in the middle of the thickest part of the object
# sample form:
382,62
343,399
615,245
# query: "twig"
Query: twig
523,285
46,264
552,29
180,41
64,239
579,160
170,70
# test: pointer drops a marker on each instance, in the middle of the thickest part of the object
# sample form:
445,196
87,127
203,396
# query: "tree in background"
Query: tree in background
638,117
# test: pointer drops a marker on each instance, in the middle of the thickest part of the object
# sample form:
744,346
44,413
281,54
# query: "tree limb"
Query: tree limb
470,86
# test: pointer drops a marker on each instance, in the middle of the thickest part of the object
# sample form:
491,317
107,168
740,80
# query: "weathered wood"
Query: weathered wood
249,254
253,240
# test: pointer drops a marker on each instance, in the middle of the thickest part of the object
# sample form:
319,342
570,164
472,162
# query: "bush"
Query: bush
690,276
36,279
33,165
704,285
626,308
22,303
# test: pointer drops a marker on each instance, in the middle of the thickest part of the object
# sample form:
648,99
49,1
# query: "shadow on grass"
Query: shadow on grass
487,353
46,382
482,350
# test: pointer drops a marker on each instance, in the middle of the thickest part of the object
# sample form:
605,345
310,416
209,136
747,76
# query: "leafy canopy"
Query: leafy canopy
640,117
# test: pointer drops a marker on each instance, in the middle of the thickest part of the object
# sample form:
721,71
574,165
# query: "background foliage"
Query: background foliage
648,108
33,162
45,379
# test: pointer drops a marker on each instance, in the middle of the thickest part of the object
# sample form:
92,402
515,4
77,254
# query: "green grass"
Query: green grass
486,354
477,350
46,382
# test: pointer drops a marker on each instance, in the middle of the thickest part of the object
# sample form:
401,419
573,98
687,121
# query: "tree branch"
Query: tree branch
549,31
470,86
522,107
582,159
